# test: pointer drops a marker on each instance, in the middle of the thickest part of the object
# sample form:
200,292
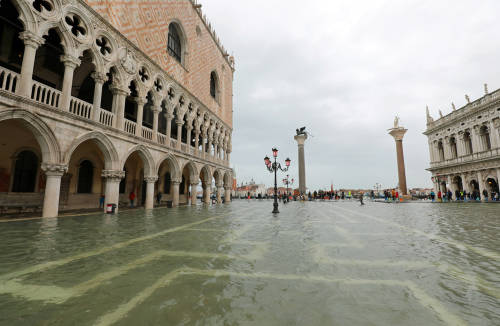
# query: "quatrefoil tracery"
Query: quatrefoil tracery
103,45
143,74
171,94
76,25
158,85
41,5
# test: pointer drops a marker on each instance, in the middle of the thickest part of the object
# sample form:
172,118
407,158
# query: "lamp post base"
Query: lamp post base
275,208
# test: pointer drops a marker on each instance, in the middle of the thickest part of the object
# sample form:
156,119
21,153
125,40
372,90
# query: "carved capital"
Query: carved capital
119,90
113,174
31,39
140,101
175,182
179,122
194,184
70,61
496,122
169,117
52,169
156,109
151,179
99,77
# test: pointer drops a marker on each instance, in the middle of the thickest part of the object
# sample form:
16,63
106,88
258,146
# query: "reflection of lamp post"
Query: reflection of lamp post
273,167
287,182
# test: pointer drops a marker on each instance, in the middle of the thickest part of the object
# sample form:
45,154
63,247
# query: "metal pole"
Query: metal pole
275,205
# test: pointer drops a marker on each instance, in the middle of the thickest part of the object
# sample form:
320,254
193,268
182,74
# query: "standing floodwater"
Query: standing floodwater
317,263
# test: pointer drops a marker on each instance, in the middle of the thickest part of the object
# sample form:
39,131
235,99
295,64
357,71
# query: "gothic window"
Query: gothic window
485,138
147,112
213,85
48,68
25,171
441,151
85,177
166,183
12,49
453,147
174,42
468,143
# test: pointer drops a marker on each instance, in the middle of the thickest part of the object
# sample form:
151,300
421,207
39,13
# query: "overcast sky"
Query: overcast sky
344,69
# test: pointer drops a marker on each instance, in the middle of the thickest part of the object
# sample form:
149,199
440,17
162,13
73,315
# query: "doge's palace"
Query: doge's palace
464,146
112,98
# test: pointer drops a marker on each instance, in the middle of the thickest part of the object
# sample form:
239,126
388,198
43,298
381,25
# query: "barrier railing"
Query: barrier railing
44,94
130,126
80,108
8,80
147,133
106,118
173,143
162,139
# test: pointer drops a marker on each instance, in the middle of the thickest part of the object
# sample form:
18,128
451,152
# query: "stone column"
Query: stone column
481,185
140,112
179,133
206,193
398,134
119,95
112,188
70,63
465,185
220,189
196,141
227,194
301,139
175,193
209,145
53,172
156,113
194,193
31,44
460,144
189,129
494,136
99,80
169,117
150,192
204,144
476,140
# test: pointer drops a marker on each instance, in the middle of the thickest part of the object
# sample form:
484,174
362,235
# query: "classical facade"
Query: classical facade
109,98
464,146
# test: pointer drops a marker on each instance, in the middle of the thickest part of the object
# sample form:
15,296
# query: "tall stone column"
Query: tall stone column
169,117
31,44
227,194
220,190
481,185
494,135
119,95
196,141
112,188
476,140
70,63
398,134
150,192
156,113
54,172
140,114
99,80
465,185
179,133
188,141
194,193
175,193
206,193
301,139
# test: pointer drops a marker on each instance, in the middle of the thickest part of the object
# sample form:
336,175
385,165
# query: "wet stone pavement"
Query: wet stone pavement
316,263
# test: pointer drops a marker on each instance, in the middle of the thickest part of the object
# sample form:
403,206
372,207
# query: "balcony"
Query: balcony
471,158
51,97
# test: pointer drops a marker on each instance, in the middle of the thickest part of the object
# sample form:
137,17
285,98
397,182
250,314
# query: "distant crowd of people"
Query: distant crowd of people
464,196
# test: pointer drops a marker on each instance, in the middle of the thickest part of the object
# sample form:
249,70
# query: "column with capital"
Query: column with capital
196,140
203,142
169,116
398,133
189,128
465,185
206,192
480,184
31,43
70,63
140,101
156,112
179,123
99,80
301,139
112,187
220,189
175,192
461,144
53,172
476,140
150,191
194,193
118,107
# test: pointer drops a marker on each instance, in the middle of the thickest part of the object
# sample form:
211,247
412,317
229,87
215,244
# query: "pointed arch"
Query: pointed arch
193,171
173,164
105,145
46,139
218,177
228,179
206,174
147,160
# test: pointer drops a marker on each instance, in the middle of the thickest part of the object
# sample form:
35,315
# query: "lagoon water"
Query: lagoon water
316,263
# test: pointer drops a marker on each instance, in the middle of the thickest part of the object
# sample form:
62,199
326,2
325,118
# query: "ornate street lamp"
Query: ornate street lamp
287,182
274,167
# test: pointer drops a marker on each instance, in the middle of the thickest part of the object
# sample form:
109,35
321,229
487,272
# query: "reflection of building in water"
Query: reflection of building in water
251,188
464,146
132,97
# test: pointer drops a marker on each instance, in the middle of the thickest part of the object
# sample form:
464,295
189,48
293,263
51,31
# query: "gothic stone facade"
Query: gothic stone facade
109,98
464,147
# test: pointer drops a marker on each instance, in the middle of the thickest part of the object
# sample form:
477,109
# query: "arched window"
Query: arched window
453,147
468,143
166,183
213,85
11,52
25,171
174,42
441,151
485,138
85,177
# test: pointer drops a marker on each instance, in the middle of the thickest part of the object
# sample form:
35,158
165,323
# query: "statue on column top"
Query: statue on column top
396,122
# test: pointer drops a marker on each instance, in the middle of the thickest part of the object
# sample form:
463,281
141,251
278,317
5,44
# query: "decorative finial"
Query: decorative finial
429,118
453,106
467,98
440,114
486,89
